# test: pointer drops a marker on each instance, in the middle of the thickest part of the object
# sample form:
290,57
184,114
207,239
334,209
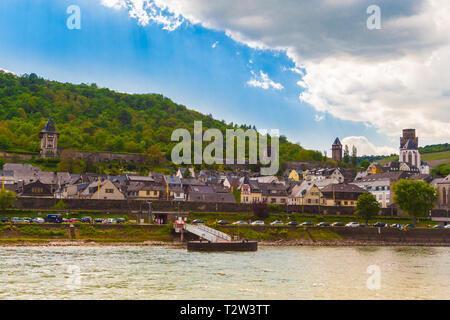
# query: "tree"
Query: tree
354,156
69,163
365,164
260,210
367,206
346,154
6,199
154,155
415,197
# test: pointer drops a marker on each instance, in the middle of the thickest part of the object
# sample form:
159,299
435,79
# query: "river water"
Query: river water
270,273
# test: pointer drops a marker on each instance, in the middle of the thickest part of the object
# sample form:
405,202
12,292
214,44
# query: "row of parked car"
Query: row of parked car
57,218
320,224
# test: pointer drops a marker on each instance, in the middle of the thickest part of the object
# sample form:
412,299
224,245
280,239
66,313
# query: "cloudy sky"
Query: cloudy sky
310,68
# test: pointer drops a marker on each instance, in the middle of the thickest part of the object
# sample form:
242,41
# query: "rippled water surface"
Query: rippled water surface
270,273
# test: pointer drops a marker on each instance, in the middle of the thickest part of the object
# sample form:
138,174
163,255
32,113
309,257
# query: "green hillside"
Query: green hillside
98,119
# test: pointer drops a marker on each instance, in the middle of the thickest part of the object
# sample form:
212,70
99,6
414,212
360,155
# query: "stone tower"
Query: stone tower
337,150
409,148
409,134
49,140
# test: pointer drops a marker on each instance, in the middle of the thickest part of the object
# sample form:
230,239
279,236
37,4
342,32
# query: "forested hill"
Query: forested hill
97,119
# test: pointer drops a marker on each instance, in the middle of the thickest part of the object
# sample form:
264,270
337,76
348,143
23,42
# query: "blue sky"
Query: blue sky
114,51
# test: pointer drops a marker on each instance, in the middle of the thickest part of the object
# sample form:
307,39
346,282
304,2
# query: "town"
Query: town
326,190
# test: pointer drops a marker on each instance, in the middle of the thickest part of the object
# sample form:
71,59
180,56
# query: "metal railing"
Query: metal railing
215,232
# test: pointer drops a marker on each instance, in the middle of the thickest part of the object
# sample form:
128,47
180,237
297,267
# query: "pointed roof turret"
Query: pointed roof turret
337,142
49,126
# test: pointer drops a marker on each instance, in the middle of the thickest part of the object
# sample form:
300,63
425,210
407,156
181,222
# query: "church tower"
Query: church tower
49,140
409,148
337,150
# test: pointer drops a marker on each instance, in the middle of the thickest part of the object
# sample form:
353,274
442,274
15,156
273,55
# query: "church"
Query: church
409,155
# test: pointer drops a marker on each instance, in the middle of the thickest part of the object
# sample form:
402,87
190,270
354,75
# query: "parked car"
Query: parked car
410,225
447,226
258,223
396,225
352,225
240,222
277,223
39,220
16,220
110,220
438,226
54,218
307,224
292,223
223,222
74,220
4,220
27,219
198,221
65,220
99,220
121,220
323,224
86,219
338,224
380,224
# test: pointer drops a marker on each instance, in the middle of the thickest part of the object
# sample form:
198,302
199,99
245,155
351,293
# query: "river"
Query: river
271,273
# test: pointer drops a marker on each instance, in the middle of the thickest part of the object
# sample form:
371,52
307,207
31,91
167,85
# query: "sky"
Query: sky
310,68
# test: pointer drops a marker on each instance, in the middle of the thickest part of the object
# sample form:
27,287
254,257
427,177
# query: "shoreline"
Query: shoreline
276,243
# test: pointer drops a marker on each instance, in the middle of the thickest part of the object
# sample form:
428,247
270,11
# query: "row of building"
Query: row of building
322,186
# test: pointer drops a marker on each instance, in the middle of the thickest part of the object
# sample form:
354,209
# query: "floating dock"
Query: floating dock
207,246
214,240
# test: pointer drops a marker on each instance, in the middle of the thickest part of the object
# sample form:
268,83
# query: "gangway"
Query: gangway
207,233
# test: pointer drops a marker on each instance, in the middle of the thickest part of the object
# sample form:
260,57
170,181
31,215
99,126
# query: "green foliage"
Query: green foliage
273,207
415,197
435,148
260,210
97,119
6,199
237,195
61,205
365,164
442,170
367,206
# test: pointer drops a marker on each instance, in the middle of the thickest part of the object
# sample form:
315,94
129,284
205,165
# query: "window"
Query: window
380,197
37,190
147,193
273,200
109,190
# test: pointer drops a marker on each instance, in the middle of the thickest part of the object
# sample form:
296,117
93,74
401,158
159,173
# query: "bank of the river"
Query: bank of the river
156,235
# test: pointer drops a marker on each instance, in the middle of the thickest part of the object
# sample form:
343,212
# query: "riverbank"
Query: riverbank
164,235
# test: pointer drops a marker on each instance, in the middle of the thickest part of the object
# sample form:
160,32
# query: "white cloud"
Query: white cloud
390,79
319,117
263,81
146,11
366,148
5,71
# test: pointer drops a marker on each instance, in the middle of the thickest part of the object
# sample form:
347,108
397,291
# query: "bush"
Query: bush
260,210
273,207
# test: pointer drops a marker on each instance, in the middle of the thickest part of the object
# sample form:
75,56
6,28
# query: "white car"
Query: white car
352,225
240,222
39,220
277,223
258,223
447,226
111,221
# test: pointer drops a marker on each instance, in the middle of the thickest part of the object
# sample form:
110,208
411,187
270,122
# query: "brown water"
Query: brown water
270,273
